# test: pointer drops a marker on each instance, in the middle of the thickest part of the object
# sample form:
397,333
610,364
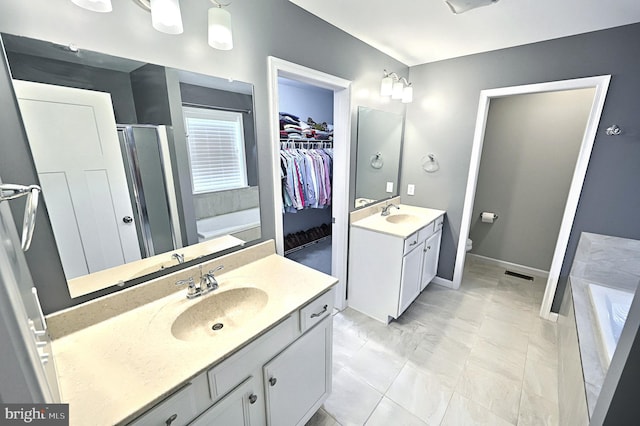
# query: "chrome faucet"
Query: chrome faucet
385,209
208,283
179,257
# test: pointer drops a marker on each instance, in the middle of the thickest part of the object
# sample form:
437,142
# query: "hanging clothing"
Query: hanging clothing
306,178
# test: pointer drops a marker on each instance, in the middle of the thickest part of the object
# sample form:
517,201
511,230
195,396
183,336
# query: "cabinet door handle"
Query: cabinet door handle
413,243
171,419
127,219
253,398
317,314
273,381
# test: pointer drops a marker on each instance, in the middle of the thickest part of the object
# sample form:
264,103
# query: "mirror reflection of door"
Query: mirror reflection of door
72,134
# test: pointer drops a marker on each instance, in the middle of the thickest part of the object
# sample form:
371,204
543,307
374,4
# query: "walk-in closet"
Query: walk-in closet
306,171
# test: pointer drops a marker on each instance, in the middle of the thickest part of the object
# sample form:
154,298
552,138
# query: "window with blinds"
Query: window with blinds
216,149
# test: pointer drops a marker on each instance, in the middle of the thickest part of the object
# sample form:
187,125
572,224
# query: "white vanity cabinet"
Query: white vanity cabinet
388,271
299,379
279,379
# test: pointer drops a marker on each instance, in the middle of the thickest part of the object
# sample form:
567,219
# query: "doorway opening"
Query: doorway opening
600,85
300,77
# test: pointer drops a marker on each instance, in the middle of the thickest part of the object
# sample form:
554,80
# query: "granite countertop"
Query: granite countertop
117,368
609,262
422,217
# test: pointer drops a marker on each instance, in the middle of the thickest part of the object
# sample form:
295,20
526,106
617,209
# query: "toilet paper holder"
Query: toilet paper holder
493,215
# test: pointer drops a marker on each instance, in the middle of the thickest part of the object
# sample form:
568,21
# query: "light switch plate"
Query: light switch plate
389,186
411,189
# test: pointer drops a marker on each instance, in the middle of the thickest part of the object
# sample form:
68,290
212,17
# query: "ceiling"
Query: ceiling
420,31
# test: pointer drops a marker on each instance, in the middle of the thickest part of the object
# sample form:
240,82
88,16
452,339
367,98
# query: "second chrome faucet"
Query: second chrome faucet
208,283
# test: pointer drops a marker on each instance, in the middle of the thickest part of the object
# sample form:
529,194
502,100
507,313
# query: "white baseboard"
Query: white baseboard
508,265
443,282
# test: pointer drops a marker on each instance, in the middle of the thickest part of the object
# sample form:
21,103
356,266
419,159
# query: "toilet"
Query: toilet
469,245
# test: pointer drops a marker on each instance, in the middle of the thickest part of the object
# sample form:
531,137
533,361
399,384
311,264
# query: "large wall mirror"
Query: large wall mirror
378,157
143,168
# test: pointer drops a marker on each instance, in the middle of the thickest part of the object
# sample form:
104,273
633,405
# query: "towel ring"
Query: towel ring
376,160
430,163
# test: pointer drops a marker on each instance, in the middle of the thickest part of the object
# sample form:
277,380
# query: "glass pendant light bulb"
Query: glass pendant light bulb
398,89
94,5
386,87
220,34
166,16
407,95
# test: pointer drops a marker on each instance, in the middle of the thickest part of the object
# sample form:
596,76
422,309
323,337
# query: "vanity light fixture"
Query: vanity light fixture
220,34
95,5
461,6
397,87
166,16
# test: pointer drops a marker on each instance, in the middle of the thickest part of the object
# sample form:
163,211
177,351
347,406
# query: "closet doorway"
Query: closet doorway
328,224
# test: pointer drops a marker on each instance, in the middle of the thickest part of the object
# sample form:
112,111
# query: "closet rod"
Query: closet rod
191,104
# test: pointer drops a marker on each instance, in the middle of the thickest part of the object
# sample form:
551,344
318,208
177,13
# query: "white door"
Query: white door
74,141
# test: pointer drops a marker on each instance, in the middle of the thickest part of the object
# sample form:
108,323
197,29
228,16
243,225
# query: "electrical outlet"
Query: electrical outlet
389,186
411,189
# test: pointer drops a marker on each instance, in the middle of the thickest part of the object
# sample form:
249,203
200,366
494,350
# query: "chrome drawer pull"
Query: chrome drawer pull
171,420
324,309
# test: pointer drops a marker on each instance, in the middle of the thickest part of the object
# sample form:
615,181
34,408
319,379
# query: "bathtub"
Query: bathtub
611,307
229,223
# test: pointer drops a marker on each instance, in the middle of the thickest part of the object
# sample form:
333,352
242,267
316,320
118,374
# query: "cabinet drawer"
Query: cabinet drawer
176,410
316,310
411,242
230,373
426,232
438,223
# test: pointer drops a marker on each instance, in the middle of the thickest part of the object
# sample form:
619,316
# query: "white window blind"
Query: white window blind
216,149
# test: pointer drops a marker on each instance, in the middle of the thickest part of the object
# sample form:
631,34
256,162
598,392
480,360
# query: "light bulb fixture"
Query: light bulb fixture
397,87
166,16
461,6
102,6
386,87
407,94
220,33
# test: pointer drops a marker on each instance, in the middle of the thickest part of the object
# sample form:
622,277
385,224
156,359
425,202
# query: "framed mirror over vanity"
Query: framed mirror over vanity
144,168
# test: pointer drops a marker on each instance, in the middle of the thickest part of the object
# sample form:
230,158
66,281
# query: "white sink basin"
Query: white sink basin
219,313
402,218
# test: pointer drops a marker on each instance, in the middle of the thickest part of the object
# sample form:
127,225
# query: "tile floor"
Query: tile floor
476,356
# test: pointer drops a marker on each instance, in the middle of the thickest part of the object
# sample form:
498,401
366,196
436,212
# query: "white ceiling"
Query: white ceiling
420,31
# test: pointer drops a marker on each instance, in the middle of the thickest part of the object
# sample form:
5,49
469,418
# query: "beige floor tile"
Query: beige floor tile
537,411
420,393
447,368
540,379
494,391
503,334
505,361
389,413
522,319
464,412
352,400
376,365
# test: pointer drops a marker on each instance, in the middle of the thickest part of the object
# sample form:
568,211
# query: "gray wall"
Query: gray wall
261,29
442,119
529,153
